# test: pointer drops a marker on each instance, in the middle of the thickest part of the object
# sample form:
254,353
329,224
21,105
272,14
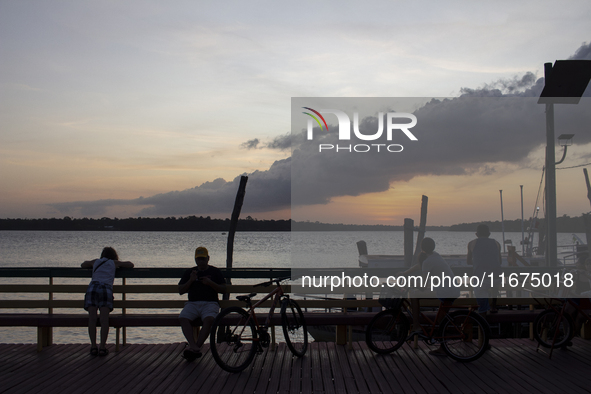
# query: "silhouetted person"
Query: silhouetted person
99,295
484,254
203,283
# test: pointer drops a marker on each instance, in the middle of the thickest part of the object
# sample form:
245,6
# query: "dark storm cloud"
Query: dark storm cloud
250,144
283,142
471,134
266,191
583,53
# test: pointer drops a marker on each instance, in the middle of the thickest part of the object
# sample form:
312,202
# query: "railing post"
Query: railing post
123,312
47,332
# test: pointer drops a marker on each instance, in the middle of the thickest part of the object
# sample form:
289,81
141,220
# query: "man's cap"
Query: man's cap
201,252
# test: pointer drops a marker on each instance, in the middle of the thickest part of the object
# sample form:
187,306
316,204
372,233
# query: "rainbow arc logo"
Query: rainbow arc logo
315,118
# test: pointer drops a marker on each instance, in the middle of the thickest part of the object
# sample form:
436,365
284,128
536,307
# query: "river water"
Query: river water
175,249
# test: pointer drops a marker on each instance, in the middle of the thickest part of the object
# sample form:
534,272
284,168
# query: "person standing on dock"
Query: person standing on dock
484,254
202,283
99,295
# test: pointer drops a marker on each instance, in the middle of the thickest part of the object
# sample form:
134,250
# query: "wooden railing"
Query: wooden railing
123,290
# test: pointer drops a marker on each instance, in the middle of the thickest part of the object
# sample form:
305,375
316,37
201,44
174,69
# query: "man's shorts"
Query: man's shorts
199,309
98,294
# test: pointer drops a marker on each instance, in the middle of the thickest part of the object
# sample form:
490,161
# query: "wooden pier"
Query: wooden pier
513,365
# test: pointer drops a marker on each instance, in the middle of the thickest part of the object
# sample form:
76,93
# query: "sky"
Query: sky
147,108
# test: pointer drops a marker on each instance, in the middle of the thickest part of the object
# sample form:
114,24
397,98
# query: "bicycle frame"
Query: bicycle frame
277,293
561,311
432,325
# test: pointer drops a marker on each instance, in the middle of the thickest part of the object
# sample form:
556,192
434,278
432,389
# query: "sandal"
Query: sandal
103,352
94,351
190,355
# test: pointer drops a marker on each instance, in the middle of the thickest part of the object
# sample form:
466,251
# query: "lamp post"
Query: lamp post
565,83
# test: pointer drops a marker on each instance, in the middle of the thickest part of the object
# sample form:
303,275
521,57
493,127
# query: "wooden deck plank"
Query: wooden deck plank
136,375
296,375
269,362
422,375
17,354
400,382
187,372
513,365
167,365
431,364
39,372
205,368
327,378
361,359
470,376
355,366
547,375
285,372
314,354
256,370
81,362
307,373
337,373
534,366
172,376
237,381
273,385
379,370
503,373
14,373
344,365
159,368
113,367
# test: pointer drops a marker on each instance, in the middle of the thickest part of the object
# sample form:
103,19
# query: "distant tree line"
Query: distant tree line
318,226
564,224
189,223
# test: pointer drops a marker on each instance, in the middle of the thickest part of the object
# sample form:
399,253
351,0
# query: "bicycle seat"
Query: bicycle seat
246,298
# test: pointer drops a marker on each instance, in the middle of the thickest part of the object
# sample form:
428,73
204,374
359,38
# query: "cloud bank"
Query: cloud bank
500,122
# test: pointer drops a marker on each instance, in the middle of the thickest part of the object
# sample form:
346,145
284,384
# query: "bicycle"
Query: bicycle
555,326
236,335
463,333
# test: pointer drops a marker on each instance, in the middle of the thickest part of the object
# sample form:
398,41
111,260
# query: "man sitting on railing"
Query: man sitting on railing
203,283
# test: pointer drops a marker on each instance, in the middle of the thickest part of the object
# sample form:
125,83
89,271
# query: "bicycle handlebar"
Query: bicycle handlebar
269,283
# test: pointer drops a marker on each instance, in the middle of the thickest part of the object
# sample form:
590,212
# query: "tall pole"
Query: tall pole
551,239
502,221
522,231
233,223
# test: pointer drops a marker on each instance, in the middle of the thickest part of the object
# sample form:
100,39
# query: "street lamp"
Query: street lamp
564,140
565,83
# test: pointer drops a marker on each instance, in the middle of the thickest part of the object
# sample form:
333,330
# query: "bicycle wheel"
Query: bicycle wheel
547,327
387,331
233,341
465,335
294,327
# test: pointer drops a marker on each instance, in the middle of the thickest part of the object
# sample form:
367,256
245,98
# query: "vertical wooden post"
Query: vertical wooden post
341,335
415,302
233,223
48,331
409,225
587,216
45,334
422,225
123,311
273,339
